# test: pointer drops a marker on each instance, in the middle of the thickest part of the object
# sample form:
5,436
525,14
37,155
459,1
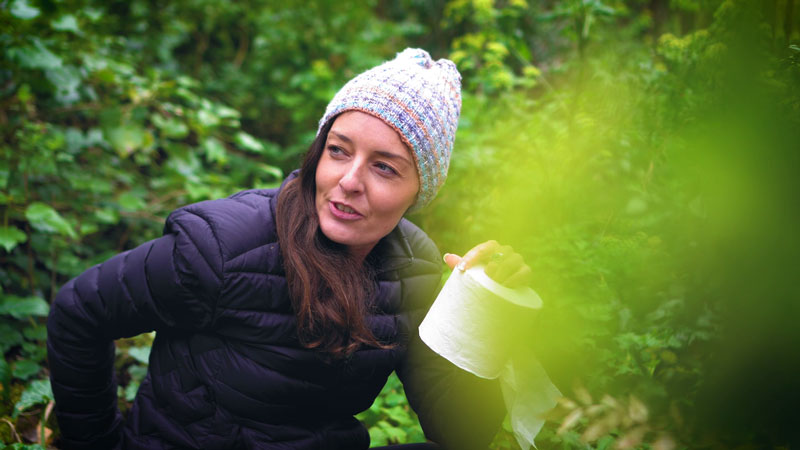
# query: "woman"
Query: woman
280,313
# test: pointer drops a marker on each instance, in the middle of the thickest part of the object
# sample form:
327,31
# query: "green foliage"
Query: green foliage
37,392
390,420
634,152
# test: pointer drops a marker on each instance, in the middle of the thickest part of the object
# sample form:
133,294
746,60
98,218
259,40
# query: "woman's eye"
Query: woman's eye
335,151
385,168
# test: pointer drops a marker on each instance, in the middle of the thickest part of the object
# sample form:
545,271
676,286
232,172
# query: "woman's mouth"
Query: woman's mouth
342,211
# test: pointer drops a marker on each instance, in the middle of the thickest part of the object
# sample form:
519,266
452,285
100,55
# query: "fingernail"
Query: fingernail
462,266
444,258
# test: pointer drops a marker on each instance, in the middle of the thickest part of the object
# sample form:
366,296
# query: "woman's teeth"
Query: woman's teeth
345,209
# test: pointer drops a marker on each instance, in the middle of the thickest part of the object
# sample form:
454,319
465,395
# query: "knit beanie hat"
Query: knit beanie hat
419,98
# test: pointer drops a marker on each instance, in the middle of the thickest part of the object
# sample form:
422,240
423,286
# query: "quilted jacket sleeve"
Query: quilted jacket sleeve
456,409
170,282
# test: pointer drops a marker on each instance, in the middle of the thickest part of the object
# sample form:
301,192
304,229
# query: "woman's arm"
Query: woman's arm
172,281
456,409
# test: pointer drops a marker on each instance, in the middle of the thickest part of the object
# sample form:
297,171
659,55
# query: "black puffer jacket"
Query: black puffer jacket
226,370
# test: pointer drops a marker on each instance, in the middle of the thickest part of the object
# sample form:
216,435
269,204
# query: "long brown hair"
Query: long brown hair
330,291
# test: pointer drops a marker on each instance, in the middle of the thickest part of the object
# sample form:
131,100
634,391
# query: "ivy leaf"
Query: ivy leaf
207,118
36,57
66,23
393,434
25,369
215,151
107,216
396,434
377,436
126,138
67,80
21,9
398,415
130,390
21,307
10,237
141,354
45,218
9,337
38,392
129,201
5,379
247,142
170,127
272,171
35,333
224,112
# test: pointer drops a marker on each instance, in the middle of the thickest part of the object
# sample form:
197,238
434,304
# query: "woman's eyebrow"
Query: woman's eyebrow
342,137
393,156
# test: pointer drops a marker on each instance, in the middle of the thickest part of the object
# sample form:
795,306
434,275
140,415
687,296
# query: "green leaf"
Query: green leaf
107,216
131,202
37,392
396,434
35,333
272,171
125,139
141,354
223,112
170,127
393,434
67,80
399,415
10,237
395,398
66,23
45,218
5,379
215,150
36,57
21,307
247,142
207,119
25,369
21,446
130,391
21,9
9,337
377,436
34,351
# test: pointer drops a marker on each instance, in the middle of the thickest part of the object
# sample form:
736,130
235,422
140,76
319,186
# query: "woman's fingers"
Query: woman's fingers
508,265
478,253
496,259
503,264
521,277
451,260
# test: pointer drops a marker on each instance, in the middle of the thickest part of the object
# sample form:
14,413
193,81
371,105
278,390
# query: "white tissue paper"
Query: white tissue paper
472,324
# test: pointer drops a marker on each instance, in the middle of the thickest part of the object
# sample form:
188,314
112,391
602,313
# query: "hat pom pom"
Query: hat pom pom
416,55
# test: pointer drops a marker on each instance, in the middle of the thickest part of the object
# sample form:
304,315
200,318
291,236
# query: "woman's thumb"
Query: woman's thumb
451,260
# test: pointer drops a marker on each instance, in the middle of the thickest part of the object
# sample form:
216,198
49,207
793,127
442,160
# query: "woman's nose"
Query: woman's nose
351,181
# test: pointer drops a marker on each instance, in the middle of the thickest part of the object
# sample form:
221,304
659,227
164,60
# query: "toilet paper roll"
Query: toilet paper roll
472,322
475,323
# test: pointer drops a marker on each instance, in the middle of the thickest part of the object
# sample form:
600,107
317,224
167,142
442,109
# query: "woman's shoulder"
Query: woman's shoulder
236,224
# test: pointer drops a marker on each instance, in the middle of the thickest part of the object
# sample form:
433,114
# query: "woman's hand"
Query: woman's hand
503,264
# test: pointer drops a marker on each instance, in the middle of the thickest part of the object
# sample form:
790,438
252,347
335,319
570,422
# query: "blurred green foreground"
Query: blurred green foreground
643,155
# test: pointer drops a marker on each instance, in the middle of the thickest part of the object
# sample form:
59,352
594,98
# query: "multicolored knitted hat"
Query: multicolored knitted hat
421,100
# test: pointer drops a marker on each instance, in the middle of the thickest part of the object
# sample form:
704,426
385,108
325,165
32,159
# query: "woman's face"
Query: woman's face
366,180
